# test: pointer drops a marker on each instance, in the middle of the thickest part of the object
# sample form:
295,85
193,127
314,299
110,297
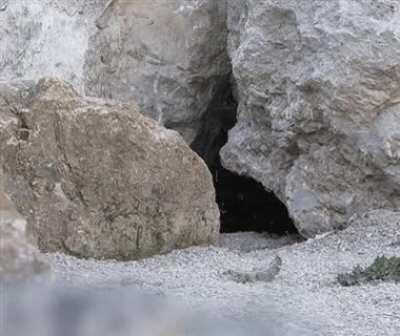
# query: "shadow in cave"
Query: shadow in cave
244,203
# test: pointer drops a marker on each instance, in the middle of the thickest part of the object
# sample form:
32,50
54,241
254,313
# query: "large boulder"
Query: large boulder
168,56
19,259
97,179
319,105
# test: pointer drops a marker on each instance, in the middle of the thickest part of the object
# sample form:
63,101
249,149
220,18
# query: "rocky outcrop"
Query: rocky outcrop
19,260
169,56
319,90
97,179
317,83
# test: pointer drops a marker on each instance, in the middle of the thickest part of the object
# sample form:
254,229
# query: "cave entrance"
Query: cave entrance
244,203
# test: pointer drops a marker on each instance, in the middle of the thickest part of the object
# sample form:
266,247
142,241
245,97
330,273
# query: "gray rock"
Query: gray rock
19,260
97,179
266,275
318,86
46,38
168,56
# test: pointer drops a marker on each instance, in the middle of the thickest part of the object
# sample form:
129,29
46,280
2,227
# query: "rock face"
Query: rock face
317,83
98,179
46,38
168,56
19,260
319,91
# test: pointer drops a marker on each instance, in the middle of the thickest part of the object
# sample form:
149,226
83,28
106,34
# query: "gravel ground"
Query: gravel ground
303,299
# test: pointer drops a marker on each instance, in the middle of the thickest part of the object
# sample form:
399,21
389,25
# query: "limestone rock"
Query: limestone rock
319,105
168,56
98,179
46,38
19,260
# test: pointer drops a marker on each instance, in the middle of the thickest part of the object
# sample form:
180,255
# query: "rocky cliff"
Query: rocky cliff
316,83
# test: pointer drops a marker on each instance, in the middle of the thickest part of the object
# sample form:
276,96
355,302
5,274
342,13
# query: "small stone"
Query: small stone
267,275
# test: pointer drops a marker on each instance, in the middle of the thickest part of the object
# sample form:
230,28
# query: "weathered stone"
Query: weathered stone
19,260
168,56
317,84
319,92
267,275
97,179
46,38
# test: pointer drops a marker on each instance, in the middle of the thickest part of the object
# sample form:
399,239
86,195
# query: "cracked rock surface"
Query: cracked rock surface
316,82
319,89
97,179
168,56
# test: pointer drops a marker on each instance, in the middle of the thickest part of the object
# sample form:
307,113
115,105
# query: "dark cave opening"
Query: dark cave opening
244,203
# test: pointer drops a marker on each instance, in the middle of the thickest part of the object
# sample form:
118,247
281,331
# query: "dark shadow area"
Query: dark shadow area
244,203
